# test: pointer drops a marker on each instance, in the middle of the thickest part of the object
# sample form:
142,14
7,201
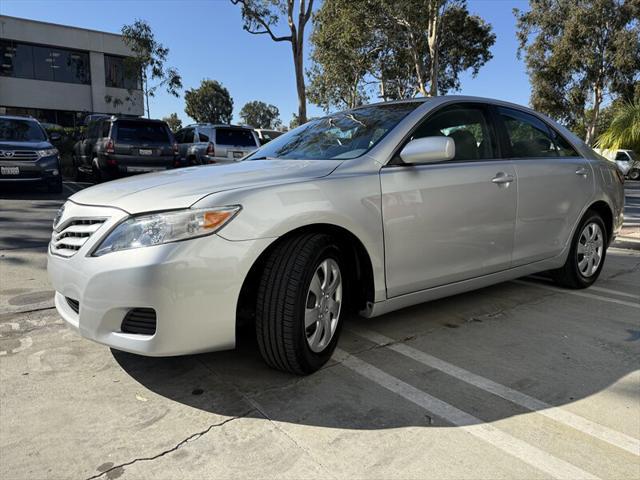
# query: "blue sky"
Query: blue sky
206,40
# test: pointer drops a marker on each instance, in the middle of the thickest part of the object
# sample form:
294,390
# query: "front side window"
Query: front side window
530,137
15,130
188,135
466,125
344,135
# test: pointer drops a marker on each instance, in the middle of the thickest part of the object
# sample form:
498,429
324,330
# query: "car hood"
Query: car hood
181,188
6,145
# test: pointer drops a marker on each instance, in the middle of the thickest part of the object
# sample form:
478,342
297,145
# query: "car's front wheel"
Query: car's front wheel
587,254
300,303
634,174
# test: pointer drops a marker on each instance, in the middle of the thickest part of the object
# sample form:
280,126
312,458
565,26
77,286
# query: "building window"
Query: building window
120,74
64,118
23,60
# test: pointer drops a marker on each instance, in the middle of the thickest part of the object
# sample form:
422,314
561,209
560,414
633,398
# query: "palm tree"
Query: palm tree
624,131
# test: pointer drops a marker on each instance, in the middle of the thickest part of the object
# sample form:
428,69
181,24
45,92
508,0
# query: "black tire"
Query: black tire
98,175
634,174
569,275
281,302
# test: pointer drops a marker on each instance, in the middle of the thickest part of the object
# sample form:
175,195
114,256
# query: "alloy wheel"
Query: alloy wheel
323,305
590,249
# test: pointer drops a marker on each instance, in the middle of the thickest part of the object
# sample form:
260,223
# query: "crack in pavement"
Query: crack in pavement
15,312
258,408
190,438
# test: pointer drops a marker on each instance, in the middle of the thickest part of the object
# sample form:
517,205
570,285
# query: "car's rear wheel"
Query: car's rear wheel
300,302
587,254
634,174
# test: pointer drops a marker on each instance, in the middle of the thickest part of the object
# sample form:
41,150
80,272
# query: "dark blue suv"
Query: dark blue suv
26,153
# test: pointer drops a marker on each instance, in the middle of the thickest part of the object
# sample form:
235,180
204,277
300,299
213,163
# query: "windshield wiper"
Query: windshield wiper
264,158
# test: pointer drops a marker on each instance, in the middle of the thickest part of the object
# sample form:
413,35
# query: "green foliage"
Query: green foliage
149,62
173,121
624,130
578,53
394,49
260,115
295,122
210,103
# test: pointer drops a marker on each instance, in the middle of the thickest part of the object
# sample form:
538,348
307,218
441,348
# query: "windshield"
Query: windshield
343,135
21,131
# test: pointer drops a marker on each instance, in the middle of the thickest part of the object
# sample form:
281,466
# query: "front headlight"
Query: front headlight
47,152
165,227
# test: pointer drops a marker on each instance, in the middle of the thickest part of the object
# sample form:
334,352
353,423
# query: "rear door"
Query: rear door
234,143
142,146
554,184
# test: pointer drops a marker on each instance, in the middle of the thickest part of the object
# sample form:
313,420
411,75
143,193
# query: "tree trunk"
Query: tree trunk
300,86
593,123
146,97
432,40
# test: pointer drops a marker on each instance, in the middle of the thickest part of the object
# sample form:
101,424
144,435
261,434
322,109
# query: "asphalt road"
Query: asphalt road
518,380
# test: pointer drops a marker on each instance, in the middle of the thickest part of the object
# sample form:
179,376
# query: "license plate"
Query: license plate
146,151
9,170
238,154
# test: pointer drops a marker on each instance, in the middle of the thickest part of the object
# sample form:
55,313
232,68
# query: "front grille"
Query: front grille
29,155
74,235
74,304
140,320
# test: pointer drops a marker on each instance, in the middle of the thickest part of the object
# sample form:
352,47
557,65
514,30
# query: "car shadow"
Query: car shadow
502,340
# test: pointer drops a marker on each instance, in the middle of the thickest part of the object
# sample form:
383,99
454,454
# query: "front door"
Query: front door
453,220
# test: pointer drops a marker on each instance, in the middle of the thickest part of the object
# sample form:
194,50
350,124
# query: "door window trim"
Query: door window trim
395,161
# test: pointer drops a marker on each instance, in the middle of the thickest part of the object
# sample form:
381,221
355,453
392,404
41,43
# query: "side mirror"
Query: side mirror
428,150
55,137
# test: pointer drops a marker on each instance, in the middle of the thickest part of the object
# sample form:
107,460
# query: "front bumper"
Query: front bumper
45,169
193,286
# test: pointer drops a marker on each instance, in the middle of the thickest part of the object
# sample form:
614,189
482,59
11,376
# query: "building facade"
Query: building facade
59,74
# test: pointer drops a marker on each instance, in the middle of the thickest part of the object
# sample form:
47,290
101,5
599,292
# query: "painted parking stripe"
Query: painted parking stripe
614,292
559,415
515,447
578,293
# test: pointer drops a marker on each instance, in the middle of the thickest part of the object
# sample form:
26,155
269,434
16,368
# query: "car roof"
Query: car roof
217,125
18,117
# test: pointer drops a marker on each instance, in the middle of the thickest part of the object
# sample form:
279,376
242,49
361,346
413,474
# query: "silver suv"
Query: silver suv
206,143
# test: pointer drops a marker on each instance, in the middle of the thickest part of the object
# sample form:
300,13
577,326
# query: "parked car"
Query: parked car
117,146
265,136
372,210
627,161
206,143
27,154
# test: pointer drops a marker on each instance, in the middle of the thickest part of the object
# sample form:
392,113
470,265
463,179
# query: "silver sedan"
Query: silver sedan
368,210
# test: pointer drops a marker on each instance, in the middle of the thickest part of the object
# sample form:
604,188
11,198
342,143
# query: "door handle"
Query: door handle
582,171
502,178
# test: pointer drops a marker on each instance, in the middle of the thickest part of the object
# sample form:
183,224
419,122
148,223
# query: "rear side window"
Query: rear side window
235,136
205,135
142,132
530,137
106,126
622,156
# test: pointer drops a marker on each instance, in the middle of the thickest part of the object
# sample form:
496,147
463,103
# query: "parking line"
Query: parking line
614,292
578,293
513,446
567,418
